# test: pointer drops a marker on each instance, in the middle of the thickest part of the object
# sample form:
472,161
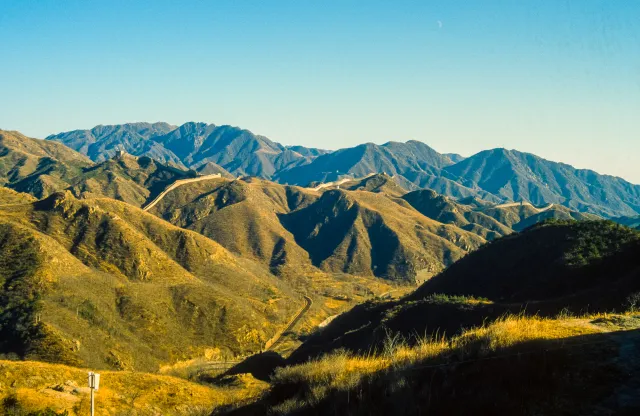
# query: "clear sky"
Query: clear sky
559,78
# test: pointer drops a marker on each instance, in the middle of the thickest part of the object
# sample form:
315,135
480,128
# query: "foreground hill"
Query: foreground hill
100,283
291,228
29,387
573,266
515,366
504,350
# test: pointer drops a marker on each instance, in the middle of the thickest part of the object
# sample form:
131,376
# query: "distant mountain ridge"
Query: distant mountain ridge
497,175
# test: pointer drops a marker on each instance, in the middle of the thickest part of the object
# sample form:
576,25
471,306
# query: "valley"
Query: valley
239,295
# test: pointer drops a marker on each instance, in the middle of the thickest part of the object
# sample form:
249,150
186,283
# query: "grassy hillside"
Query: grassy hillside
551,260
30,387
127,178
516,366
366,233
41,167
243,216
293,229
485,219
99,282
575,267
36,166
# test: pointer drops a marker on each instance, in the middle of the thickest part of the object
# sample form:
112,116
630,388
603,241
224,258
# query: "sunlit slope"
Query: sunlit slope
31,386
100,283
243,216
127,178
516,366
37,167
291,228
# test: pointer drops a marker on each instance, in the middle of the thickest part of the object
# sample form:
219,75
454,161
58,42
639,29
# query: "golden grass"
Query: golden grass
341,369
318,381
39,385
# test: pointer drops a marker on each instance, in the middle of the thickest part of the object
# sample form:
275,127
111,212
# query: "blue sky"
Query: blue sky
557,78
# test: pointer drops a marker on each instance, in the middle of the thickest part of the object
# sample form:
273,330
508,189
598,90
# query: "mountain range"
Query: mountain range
497,175
196,252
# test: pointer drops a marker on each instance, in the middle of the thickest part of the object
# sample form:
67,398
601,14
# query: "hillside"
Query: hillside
496,175
515,366
29,387
417,164
516,176
192,145
127,178
100,283
632,222
572,266
291,228
552,260
36,166
488,220
103,142
362,232
243,216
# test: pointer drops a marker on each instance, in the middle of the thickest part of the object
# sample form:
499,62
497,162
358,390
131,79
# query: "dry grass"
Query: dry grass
37,386
343,371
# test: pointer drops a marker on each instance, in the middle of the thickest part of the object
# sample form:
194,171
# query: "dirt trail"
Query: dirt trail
269,346
278,337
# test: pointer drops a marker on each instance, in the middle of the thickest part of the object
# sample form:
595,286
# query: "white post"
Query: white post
94,384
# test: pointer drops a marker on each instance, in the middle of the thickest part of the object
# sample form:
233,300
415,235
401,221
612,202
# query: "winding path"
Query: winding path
278,337
177,184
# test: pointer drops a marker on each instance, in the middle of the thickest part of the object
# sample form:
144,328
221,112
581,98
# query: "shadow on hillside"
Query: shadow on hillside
260,366
365,327
582,375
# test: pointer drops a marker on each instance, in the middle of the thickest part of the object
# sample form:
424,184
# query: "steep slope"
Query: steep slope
413,164
100,283
378,183
556,266
552,260
366,233
35,166
390,158
236,150
242,215
446,210
294,230
519,176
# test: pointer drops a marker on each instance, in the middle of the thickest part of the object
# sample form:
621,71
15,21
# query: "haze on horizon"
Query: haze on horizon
560,79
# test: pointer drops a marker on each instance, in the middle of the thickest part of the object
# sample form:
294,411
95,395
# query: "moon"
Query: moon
439,24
